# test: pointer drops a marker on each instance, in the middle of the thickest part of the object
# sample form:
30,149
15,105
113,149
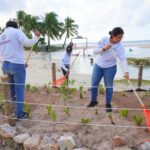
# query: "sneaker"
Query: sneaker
25,116
108,107
92,104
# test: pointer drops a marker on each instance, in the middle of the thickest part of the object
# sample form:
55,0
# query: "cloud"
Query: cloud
95,18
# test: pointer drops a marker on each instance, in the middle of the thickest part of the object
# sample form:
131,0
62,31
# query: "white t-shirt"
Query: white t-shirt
65,60
106,59
12,42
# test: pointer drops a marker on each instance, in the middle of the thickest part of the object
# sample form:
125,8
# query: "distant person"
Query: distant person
12,41
46,48
65,61
106,67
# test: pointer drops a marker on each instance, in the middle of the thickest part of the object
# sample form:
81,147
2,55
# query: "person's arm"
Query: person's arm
25,41
123,60
102,47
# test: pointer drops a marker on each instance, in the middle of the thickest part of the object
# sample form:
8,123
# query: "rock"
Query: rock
66,142
49,147
81,148
122,148
145,146
55,137
118,141
7,131
21,138
32,143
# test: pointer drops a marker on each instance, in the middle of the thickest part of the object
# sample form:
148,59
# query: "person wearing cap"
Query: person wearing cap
12,42
65,61
105,66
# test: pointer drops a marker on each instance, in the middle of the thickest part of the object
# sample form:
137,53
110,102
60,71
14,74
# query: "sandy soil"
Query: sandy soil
86,136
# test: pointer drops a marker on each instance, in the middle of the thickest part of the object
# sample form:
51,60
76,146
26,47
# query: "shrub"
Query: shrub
124,113
85,121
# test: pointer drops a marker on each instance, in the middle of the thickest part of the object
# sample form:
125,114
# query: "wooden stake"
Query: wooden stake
53,74
140,74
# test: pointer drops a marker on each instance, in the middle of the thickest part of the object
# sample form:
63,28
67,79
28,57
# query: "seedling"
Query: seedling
34,89
101,89
53,116
138,120
81,92
124,113
49,109
123,93
49,90
28,87
111,118
96,111
28,109
85,121
67,110
1,98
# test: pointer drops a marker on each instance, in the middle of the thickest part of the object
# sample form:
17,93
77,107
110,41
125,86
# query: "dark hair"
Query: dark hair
12,24
116,31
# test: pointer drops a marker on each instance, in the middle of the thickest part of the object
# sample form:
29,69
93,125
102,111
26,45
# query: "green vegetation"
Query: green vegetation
123,93
28,109
124,113
111,118
85,121
96,111
138,120
48,25
101,89
28,87
34,89
67,110
137,61
51,113
1,98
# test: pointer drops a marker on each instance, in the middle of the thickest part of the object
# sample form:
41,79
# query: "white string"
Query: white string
70,106
78,123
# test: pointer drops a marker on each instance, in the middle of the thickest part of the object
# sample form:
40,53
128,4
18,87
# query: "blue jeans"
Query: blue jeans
98,74
17,75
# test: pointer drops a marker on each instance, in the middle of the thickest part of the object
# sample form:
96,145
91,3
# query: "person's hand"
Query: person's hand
26,65
126,75
37,33
107,47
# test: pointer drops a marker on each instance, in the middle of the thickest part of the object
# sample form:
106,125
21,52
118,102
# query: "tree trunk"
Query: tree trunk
48,42
64,42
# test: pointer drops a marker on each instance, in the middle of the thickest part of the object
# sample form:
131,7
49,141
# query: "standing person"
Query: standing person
106,67
65,61
12,41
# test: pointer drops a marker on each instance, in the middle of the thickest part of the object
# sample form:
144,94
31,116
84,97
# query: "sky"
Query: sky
94,17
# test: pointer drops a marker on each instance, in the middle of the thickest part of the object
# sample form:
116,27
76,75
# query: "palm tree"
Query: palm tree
52,26
20,18
70,29
1,30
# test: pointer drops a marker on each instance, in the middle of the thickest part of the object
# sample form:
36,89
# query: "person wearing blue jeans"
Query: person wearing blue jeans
106,67
12,42
17,76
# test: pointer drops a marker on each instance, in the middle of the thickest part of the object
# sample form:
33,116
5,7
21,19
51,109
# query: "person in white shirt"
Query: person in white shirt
65,61
106,67
12,42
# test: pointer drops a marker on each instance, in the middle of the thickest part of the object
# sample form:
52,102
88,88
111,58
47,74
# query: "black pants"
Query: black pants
65,72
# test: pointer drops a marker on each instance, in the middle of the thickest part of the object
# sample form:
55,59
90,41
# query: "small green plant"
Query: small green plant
124,113
85,121
28,109
49,90
34,89
1,98
101,89
111,118
96,111
138,120
53,116
67,110
28,87
51,113
49,109
81,92
123,93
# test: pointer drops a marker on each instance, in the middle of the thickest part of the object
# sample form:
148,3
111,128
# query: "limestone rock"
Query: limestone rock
49,147
81,148
7,131
118,141
21,138
145,146
66,142
32,143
